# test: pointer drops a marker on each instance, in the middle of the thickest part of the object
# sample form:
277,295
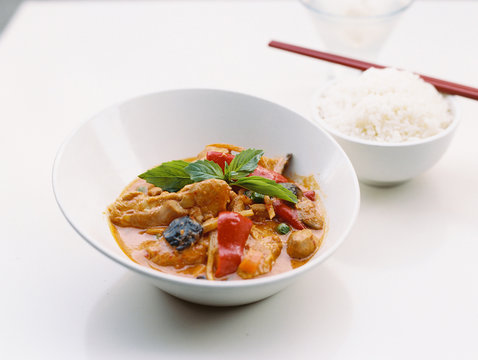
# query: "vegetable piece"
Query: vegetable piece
169,176
204,169
232,233
219,158
251,262
211,224
182,232
310,194
292,188
269,206
283,228
266,187
211,254
269,174
255,197
287,214
243,164
222,158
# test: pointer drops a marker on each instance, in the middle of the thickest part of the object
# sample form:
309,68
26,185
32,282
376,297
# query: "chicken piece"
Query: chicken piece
161,253
140,210
308,213
263,247
205,199
141,186
263,230
238,202
155,191
161,215
277,164
201,201
260,212
301,244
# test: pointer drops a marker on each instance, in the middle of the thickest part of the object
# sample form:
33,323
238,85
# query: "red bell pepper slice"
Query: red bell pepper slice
269,174
232,233
287,214
221,158
310,194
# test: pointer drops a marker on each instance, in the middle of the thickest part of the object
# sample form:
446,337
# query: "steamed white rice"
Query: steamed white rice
385,105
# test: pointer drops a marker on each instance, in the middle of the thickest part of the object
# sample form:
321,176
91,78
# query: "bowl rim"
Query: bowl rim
175,279
451,99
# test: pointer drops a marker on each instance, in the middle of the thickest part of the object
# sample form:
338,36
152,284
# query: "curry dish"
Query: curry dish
227,214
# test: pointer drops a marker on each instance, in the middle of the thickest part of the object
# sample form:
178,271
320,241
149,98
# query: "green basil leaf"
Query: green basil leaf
204,169
244,163
227,173
266,187
169,176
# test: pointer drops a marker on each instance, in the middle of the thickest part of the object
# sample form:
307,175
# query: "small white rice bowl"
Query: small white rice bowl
392,125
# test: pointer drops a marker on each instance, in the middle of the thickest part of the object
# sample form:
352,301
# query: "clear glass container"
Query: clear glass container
355,28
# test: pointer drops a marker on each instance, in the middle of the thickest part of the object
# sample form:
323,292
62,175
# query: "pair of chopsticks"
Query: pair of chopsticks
441,85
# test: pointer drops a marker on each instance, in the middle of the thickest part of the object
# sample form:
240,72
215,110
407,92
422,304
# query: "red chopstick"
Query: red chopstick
441,85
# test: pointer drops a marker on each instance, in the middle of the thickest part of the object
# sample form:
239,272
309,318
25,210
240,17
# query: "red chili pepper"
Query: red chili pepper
287,214
219,158
232,232
310,194
269,174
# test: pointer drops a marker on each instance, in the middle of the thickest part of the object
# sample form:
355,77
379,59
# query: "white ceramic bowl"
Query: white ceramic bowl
387,164
109,150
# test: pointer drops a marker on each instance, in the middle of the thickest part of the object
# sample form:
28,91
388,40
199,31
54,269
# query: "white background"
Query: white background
404,284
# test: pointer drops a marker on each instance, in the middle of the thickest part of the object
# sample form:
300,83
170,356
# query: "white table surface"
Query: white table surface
404,285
